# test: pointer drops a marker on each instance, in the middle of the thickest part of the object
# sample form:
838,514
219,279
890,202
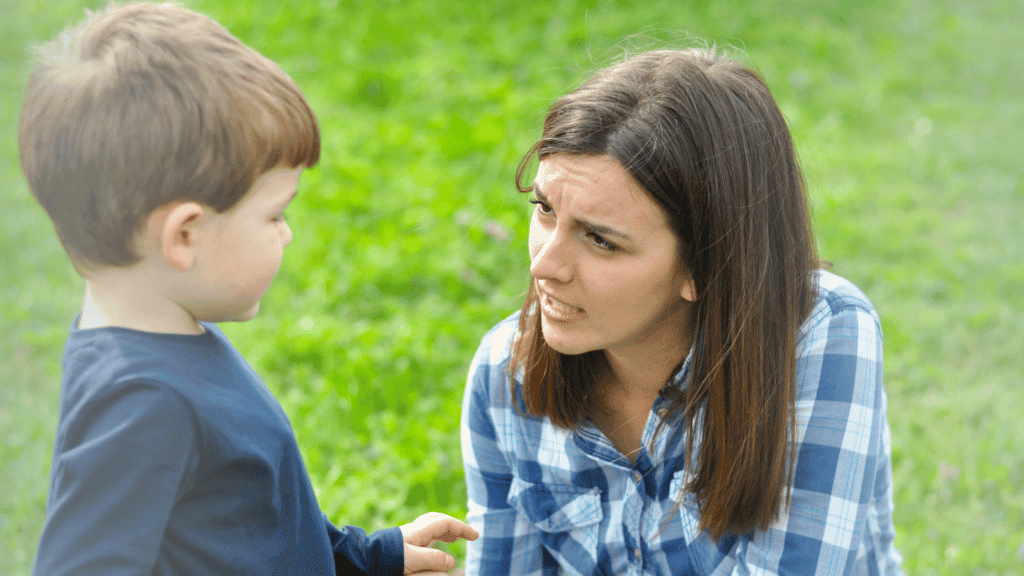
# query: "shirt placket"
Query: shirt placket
623,479
634,504
633,478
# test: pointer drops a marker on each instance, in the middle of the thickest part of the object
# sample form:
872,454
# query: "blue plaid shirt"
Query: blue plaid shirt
550,501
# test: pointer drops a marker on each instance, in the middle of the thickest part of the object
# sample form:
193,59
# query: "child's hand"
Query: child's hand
424,531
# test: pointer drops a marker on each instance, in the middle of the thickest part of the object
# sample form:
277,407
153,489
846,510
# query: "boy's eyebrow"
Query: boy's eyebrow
599,229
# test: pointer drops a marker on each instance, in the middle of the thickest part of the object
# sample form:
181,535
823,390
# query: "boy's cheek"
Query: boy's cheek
255,286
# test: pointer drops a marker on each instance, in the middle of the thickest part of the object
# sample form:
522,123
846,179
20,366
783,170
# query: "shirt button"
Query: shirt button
636,476
637,552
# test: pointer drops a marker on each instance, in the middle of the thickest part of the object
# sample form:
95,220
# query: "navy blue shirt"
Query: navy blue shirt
172,457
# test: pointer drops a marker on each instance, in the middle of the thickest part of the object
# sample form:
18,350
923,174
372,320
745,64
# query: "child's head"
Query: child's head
146,104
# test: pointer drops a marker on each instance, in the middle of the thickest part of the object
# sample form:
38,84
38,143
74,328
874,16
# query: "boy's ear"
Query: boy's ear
174,228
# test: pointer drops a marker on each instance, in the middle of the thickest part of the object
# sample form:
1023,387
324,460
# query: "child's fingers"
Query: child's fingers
449,530
419,559
434,526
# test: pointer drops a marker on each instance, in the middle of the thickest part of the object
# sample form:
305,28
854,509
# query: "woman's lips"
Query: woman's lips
558,310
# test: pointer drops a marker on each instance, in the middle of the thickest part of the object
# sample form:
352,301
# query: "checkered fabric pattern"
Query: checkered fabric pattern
549,501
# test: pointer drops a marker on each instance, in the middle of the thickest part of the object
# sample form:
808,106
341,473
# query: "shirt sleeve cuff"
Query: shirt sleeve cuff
387,552
356,552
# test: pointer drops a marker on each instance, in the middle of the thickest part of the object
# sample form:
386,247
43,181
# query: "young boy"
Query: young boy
165,153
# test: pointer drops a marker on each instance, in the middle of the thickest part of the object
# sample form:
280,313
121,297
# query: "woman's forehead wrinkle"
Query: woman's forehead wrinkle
600,195
544,175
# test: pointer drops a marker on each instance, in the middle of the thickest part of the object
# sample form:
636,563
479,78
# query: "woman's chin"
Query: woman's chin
565,343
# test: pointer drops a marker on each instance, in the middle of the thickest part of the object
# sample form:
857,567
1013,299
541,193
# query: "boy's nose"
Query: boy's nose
287,234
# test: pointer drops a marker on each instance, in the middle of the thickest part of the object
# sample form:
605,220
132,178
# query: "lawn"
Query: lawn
410,241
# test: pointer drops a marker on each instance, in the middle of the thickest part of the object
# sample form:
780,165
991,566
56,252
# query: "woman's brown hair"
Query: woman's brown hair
704,138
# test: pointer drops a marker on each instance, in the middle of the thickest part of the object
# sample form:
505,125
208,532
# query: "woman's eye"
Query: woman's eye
602,243
544,208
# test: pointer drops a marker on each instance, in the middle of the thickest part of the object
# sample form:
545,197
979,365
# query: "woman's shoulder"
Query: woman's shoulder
488,378
841,313
842,328
834,294
496,344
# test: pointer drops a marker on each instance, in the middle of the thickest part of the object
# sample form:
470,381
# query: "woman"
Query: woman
683,391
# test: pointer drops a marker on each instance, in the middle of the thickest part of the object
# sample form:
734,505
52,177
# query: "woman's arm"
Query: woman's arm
840,518
508,543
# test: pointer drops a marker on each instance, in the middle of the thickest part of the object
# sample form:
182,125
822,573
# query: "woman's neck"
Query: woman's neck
642,371
626,391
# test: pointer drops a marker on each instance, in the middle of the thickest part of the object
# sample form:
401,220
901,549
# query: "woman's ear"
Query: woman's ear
173,227
688,292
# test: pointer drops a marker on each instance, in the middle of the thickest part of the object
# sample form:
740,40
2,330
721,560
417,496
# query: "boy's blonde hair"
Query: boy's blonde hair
144,104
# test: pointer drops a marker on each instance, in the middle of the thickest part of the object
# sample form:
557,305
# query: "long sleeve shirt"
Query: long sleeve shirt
552,501
173,458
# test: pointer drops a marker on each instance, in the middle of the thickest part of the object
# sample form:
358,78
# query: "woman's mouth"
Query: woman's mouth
558,310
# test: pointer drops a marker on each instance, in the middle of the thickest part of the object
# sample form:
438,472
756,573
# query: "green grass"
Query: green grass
410,239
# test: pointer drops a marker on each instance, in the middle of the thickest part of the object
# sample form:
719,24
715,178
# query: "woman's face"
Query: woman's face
604,261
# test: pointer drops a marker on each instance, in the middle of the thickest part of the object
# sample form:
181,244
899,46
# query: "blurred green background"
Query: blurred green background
410,241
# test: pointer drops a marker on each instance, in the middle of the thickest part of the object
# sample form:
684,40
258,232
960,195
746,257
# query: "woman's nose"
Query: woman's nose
550,256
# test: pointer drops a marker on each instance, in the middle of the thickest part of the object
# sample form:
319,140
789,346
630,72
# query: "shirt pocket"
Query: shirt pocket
556,507
568,520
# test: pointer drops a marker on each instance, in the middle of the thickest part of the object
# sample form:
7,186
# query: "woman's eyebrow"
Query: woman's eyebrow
536,192
599,229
